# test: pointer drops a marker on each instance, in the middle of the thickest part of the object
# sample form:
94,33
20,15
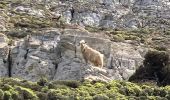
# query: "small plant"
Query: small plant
42,81
118,38
1,94
55,95
92,29
42,96
143,31
161,48
3,4
7,95
6,87
167,32
69,83
27,93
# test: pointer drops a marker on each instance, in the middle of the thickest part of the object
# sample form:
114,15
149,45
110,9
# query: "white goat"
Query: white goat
91,55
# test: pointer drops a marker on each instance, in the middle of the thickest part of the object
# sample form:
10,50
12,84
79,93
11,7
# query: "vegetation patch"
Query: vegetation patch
122,35
87,90
155,68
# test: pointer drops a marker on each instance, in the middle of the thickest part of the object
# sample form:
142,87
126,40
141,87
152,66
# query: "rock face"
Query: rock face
56,55
4,51
35,57
101,13
113,13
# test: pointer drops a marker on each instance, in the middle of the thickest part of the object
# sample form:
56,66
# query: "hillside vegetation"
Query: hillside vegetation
15,89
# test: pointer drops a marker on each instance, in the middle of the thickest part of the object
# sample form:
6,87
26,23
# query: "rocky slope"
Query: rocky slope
40,38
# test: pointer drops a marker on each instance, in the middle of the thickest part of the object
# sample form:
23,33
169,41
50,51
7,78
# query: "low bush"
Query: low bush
42,82
155,68
69,83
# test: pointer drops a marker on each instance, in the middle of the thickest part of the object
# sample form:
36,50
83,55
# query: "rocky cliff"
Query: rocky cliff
40,38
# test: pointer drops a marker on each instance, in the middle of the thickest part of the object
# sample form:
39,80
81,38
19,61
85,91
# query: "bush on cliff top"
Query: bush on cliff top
155,68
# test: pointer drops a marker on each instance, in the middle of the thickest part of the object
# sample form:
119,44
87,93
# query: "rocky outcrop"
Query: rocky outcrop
35,57
56,55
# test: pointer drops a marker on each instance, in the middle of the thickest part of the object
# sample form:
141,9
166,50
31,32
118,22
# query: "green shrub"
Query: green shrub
27,93
69,83
125,35
14,94
159,92
142,98
156,59
167,32
42,96
7,95
56,95
44,89
24,20
147,90
132,89
100,97
143,31
92,29
17,33
155,68
168,96
161,48
42,81
1,94
132,98
31,85
3,4
6,87
118,38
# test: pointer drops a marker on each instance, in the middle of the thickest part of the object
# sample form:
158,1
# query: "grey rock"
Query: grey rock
35,57
133,24
125,58
4,52
29,11
89,19
3,22
67,16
